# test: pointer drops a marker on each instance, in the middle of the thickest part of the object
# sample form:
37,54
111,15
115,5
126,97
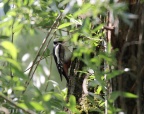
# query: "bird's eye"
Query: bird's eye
55,42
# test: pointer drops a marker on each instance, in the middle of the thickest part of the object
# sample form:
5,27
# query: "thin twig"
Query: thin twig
12,36
40,59
41,47
14,104
37,62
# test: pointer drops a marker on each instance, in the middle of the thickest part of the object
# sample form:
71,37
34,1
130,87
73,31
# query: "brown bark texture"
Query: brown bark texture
130,43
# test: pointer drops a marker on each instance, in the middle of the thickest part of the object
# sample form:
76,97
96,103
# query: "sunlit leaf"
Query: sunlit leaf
58,96
72,102
84,10
19,88
15,78
47,97
64,25
10,48
37,105
116,94
12,13
129,95
18,27
13,63
99,90
23,105
75,38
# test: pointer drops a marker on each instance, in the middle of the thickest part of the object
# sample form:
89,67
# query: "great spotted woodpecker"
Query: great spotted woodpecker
62,57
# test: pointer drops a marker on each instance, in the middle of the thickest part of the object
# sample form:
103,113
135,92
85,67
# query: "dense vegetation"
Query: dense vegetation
29,82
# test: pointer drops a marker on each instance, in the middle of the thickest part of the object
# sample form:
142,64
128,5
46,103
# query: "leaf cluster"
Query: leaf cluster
81,25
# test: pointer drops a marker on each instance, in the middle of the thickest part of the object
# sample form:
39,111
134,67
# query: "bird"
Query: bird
62,56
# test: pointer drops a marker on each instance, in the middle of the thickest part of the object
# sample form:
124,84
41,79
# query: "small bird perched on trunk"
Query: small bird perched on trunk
62,56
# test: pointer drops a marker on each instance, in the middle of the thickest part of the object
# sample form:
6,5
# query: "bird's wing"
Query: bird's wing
68,54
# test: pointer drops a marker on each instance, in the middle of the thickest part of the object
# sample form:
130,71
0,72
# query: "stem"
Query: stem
107,46
36,63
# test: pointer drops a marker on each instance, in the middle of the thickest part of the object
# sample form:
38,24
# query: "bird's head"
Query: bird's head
57,41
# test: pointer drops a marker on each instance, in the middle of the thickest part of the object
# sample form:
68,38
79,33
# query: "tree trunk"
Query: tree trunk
130,43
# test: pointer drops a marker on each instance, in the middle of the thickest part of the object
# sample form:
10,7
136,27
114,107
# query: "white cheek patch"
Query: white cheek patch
57,53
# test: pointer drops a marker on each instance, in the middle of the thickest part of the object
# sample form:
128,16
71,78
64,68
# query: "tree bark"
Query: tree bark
130,42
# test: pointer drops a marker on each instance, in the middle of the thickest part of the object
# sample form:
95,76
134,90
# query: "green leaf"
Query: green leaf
12,13
58,96
14,63
47,53
18,27
99,89
10,48
116,94
47,97
129,95
23,105
3,37
19,88
113,74
72,102
6,7
75,38
31,2
64,25
37,105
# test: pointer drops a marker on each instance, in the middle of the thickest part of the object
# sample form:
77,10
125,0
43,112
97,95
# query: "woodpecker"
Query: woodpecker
62,57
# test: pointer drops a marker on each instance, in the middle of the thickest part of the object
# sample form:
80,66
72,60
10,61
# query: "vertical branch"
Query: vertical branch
12,36
12,40
107,46
106,93
139,77
12,33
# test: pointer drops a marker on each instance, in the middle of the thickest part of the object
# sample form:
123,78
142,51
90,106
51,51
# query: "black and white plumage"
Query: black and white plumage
62,58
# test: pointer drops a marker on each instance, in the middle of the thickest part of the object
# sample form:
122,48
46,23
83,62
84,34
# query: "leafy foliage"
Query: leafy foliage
23,27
